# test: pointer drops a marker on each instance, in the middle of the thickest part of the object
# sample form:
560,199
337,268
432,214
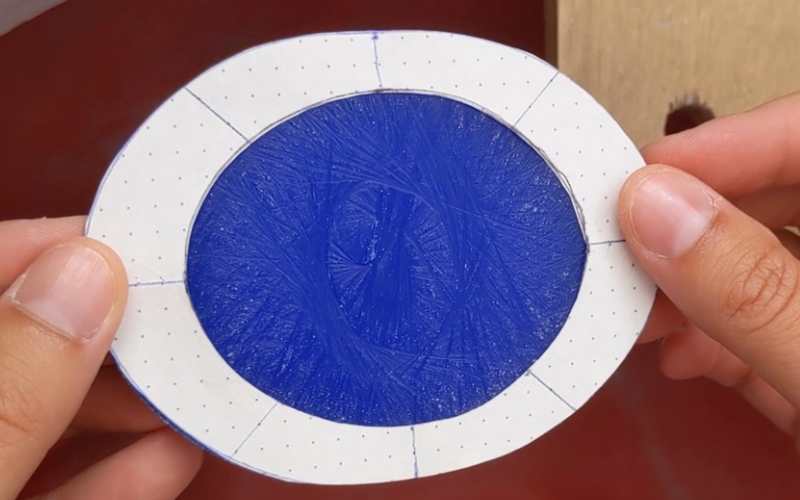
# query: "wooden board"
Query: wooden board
638,57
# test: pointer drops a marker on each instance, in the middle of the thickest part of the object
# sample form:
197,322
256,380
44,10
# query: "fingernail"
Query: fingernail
70,288
670,212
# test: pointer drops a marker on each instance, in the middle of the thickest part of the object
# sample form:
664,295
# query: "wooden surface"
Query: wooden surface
637,57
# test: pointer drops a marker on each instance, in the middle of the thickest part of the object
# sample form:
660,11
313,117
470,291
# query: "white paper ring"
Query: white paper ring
149,198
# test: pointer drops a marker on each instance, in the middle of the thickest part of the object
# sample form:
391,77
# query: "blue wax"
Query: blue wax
385,259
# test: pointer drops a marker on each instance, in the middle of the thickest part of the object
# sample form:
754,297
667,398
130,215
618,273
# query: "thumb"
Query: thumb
56,324
729,274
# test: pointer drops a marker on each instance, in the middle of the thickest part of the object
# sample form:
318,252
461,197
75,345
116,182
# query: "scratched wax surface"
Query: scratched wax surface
385,259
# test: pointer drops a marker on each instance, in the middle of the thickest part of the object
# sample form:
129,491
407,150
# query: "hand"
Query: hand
62,300
709,229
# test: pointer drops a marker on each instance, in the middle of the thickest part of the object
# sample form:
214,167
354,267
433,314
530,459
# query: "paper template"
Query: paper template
370,257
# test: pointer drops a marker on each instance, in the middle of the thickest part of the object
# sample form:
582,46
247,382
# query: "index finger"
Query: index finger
739,154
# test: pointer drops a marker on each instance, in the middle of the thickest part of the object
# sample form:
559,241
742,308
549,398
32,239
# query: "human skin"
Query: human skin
705,219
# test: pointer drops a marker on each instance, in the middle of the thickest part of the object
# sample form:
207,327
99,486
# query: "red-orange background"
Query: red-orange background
77,81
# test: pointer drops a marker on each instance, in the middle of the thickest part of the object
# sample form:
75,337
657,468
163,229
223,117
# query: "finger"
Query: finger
112,406
664,319
691,353
775,208
22,241
790,241
56,323
739,154
688,353
728,274
157,467
69,458
730,371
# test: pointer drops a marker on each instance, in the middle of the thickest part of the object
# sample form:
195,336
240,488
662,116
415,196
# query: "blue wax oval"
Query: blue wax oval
385,259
